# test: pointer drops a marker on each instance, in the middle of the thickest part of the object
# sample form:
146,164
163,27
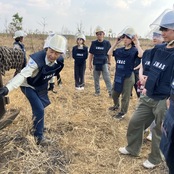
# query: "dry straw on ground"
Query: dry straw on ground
85,137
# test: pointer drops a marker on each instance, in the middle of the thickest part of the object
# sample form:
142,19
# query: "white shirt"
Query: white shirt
31,70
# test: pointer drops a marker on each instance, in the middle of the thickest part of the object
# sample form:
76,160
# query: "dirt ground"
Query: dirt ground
85,137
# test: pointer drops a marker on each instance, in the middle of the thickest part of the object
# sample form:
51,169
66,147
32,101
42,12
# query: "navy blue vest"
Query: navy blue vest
23,49
146,61
160,74
99,50
40,81
80,55
147,58
125,60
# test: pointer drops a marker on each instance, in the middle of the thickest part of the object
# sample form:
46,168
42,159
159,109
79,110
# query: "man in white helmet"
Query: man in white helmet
99,61
152,103
33,80
51,83
157,39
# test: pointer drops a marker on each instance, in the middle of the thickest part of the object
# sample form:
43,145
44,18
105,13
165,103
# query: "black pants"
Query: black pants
79,74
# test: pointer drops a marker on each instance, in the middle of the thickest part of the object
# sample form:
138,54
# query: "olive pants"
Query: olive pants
126,93
147,111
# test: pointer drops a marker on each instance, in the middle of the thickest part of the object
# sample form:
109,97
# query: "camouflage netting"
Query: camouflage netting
10,59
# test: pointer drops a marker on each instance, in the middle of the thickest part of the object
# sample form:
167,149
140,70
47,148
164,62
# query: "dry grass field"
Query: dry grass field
85,137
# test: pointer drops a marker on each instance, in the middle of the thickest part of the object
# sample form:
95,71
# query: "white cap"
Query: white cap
99,29
19,33
82,36
58,43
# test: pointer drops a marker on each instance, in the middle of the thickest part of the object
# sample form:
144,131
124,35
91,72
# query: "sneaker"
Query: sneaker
148,165
96,94
149,137
77,88
123,151
113,108
43,141
120,115
82,88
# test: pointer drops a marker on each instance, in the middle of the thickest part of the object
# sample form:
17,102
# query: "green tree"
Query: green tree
16,23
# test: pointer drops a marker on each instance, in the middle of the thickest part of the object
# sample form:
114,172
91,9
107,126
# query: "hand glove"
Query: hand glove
4,91
51,87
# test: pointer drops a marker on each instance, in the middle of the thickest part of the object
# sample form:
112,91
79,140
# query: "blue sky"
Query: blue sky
66,15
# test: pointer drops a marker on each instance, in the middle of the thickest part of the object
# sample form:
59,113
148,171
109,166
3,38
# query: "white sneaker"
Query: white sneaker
148,165
149,137
77,88
123,151
82,88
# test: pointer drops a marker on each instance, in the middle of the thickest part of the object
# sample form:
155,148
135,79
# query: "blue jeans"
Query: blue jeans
37,111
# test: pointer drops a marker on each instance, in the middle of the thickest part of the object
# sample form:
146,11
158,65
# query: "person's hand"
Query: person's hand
4,91
143,79
135,40
118,40
144,91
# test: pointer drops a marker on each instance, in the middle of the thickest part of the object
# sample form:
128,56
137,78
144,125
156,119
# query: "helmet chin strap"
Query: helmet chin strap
170,44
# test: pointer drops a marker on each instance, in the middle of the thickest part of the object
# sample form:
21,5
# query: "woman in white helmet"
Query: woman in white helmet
18,44
124,76
33,80
80,54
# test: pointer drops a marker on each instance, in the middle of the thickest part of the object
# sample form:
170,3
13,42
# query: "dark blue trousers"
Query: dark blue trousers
37,111
79,74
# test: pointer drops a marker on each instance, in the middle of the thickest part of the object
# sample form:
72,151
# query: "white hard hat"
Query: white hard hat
128,31
19,33
58,43
47,40
157,34
99,29
167,20
82,36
